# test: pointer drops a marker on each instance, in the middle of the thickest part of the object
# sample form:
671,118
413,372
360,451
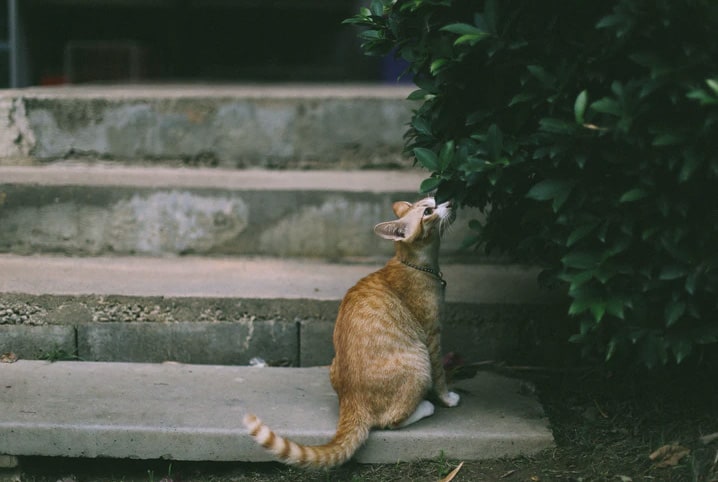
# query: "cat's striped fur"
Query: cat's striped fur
386,342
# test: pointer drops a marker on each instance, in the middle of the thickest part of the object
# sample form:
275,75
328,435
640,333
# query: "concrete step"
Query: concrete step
286,126
229,310
83,209
190,412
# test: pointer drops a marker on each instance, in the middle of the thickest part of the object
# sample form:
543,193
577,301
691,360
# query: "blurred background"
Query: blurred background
54,42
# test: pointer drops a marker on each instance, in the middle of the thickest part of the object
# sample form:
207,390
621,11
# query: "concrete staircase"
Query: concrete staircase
208,226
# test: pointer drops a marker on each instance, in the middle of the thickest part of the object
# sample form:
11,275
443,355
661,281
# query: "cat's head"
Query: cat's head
421,220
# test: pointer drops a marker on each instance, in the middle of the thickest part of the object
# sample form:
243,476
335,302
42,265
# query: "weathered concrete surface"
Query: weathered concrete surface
156,329
190,412
245,278
38,341
99,209
222,343
233,126
8,462
221,311
234,330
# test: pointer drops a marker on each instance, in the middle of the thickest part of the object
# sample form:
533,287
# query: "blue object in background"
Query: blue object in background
392,68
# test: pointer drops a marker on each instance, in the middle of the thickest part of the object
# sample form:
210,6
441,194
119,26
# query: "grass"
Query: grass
58,354
605,425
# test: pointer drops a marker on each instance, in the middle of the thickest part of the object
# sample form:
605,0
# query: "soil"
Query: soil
606,426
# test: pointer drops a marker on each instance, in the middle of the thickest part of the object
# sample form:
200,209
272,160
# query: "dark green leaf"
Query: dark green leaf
377,8
463,29
667,139
610,21
633,195
579,233
702,96
427,158
674,311
671,272
421,126
577,280
438,65
446,155
418,94
578,306
581,260
430,184
470,39
681,349
598,309
491,15
494,142
691,280
611,348
557,126
690,165
579,106
475,225
653,350
615,307
521,97
542,75
550,189
607,106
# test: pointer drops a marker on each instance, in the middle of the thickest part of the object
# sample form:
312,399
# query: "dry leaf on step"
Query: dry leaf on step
452,474
669,455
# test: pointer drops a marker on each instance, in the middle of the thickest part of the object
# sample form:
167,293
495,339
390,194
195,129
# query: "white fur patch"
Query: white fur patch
423,410
451,399
263,434
295,453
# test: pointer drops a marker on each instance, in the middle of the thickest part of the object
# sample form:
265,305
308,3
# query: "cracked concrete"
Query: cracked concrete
242,126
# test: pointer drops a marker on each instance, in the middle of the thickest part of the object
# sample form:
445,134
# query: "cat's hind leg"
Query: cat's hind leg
423,410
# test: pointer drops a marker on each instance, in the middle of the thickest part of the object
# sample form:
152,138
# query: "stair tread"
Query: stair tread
244,277
69,173
194,412
251,91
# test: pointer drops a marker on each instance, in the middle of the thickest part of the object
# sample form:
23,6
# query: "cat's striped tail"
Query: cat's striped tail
350,435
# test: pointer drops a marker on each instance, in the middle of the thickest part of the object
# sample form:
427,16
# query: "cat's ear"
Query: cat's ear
393,230
400,208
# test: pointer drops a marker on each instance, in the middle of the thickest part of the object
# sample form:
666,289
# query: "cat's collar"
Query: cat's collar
426,269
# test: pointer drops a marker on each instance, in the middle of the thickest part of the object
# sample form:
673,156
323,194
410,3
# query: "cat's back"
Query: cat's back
378,288
386,296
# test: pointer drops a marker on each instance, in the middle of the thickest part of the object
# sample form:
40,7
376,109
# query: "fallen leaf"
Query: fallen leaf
452,474
8,357
625,478
669,455
706,439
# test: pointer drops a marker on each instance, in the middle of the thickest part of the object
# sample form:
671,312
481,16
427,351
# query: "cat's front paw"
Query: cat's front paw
450,399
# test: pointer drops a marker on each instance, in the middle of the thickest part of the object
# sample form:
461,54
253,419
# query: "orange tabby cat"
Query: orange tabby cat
386,342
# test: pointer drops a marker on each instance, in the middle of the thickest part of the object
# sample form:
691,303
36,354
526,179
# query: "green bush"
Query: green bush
588,134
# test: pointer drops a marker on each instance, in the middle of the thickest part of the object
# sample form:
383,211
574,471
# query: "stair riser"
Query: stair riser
236,130
91,220
230,331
